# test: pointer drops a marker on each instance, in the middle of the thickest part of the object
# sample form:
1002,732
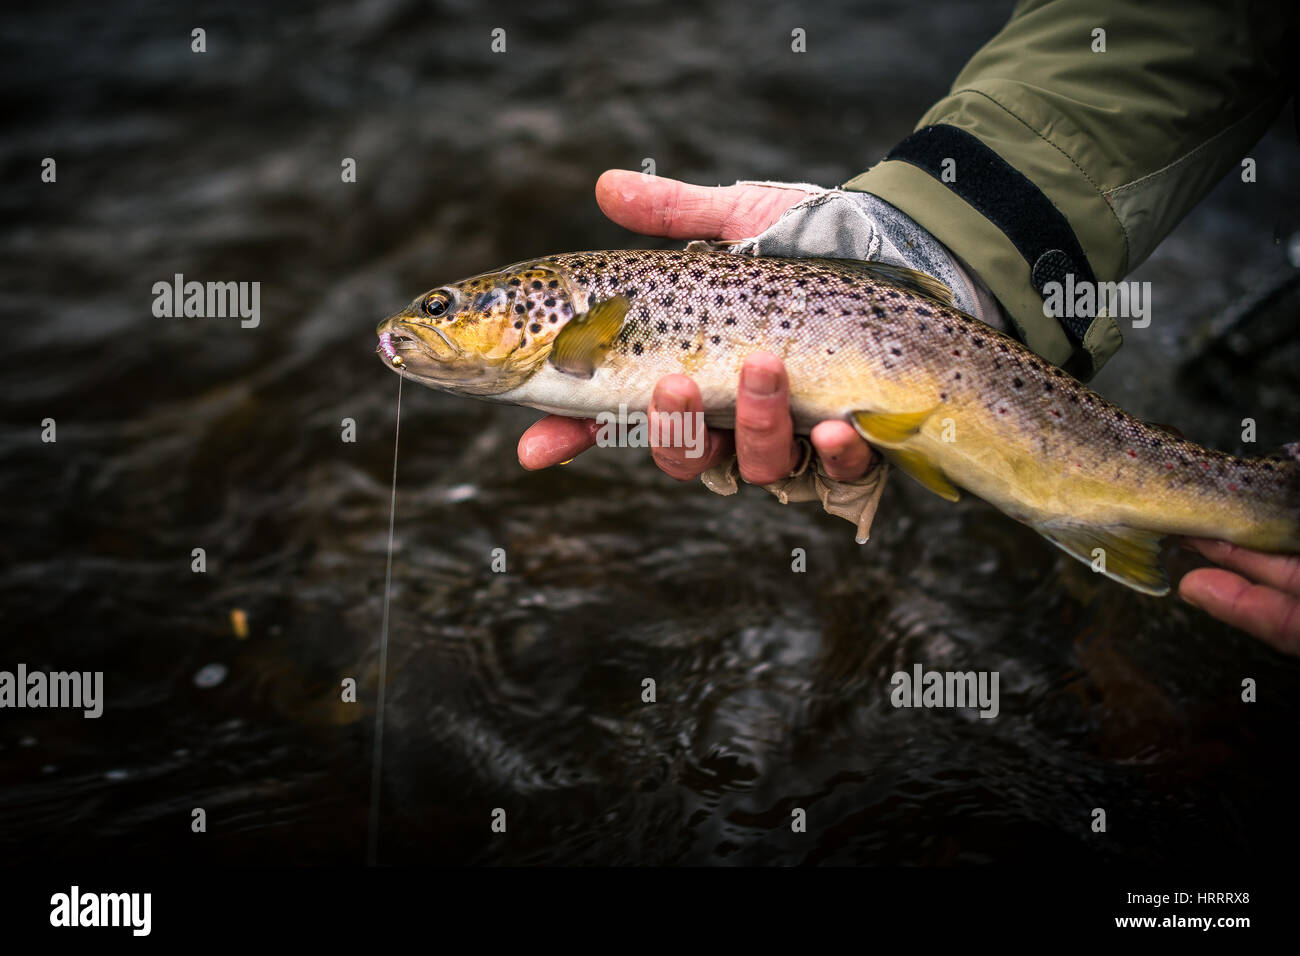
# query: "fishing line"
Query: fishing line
372,854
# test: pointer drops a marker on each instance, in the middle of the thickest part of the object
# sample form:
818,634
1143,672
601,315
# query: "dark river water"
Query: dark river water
523,690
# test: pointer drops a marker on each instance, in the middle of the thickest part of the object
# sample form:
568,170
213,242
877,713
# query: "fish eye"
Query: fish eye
436,304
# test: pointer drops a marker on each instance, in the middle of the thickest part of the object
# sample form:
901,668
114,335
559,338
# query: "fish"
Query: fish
954,403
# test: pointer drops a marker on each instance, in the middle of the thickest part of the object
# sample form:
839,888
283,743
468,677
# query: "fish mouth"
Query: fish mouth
416,350
407,346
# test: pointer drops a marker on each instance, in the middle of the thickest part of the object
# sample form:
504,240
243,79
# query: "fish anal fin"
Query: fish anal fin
586,338
1130,556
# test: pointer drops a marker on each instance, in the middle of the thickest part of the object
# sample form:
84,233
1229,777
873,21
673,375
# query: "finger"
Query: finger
765,446
845,456
1270,615
1276,570
681,446
667,207
555,439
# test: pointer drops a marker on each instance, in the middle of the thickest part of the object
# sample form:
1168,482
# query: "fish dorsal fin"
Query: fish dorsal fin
586,338
917,282
1130,556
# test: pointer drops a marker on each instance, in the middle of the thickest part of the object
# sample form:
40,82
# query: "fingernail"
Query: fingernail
670,400
760,381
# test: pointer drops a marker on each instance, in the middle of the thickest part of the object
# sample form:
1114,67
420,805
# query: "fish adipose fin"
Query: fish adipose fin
586,338
888,430
1130,556
917,282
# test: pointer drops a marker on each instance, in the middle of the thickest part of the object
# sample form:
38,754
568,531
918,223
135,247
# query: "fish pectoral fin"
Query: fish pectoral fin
924,471
586,338
889,429
1130,556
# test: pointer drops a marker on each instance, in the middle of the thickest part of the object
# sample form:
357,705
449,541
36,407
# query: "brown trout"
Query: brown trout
951,401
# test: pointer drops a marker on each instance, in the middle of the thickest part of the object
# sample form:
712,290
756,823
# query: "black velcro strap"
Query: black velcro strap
1008,199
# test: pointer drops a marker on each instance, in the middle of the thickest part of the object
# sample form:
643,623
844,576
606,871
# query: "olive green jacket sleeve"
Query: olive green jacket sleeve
1122,131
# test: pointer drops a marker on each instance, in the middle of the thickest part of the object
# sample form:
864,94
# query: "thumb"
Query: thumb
677,210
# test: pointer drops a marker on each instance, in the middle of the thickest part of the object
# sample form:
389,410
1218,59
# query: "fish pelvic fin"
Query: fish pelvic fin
1130,556
890,429
923,470
587,337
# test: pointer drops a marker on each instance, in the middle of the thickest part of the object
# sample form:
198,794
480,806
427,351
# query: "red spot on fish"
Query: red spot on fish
1132,453
1205,465
956,351
1169,465
1002,410
1232,487
1078,464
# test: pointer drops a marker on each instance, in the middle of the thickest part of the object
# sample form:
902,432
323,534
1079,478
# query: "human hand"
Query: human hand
1269,609
764,437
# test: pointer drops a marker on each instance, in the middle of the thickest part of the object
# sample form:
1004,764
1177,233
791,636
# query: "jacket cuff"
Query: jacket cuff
1002,217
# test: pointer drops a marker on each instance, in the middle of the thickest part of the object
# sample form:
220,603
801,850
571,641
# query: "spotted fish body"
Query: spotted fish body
951,401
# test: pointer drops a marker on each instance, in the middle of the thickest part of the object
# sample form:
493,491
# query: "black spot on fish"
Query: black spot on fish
924,312
636,348
717,300
716,339
819,311
946,328
663,326
630,292
686,345
728,321
1047,386
535,328
978,343
1016,383
549,303
537,284
896,350
553,284
892,294
785,324
521,308
514,282
688,310
519,325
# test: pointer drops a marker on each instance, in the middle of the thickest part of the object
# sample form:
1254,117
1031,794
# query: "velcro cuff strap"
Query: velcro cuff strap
1008,199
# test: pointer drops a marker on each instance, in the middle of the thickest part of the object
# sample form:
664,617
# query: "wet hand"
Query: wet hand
1264,602
764,437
